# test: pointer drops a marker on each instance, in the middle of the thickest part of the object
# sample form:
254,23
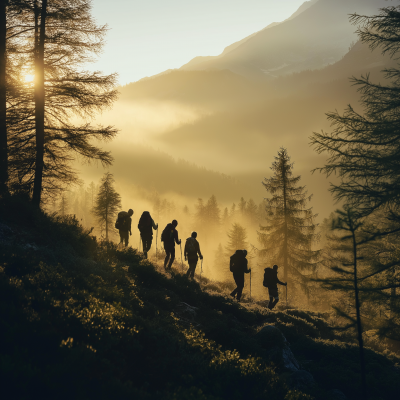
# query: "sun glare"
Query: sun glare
29,78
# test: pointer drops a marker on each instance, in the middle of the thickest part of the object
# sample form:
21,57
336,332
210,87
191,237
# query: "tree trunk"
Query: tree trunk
3,99
359,326
285,241
39,107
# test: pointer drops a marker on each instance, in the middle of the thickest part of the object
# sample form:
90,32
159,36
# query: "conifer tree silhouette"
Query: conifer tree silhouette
289,233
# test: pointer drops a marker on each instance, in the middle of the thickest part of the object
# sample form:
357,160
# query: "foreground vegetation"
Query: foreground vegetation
81,319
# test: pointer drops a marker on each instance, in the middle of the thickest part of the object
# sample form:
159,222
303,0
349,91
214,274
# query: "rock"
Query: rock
185,311
278,350
300,380
336,394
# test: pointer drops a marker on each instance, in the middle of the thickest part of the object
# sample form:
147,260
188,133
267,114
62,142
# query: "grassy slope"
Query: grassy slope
82,320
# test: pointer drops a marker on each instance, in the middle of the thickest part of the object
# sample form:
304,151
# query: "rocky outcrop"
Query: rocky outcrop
277,347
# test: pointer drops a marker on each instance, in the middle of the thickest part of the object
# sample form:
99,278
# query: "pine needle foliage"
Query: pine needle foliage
289,233
344,256
69,39
364,148
237,239
107,203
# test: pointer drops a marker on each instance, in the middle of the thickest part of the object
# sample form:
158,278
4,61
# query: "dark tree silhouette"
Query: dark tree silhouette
59,39
107,203
344,256
364,151
364,148
237,240
3,98
288,236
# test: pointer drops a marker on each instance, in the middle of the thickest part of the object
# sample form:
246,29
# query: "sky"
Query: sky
147,37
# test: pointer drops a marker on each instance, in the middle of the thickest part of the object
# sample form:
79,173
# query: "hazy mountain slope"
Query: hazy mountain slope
238,128
317,37
198,60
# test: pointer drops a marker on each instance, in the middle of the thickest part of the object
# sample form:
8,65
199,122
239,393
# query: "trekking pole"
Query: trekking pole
156,242
180,244
250,285
286,296
201,270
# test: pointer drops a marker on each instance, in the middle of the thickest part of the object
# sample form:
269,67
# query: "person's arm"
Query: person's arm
130,225
281,283
185,251
247,270
155,226
176,237
198,250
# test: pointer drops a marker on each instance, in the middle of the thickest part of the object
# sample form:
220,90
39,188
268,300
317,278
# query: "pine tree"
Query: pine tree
3,98
288,236
107,203
242,206
364,148
212,213
237,239
251,211
344,256
60,38
63,207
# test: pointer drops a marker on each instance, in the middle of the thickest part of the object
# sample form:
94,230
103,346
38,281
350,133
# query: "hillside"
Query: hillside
81,319
231,125
316,37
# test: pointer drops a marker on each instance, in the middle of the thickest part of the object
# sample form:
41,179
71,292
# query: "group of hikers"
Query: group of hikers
192,253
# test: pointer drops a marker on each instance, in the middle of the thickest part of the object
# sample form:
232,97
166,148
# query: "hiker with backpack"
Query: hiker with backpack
238,266
192,253
146,226
170,236
124,226
271,282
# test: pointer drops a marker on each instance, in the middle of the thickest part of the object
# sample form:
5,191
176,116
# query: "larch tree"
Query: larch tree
3,98
290,231
60,39
107,203
345,257
363,149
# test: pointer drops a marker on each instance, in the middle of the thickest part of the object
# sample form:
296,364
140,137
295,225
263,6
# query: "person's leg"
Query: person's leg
144,241
167,255
193,265
240,290
124,237
273,297
233,294
171,260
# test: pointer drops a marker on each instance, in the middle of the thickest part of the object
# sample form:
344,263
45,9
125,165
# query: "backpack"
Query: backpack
269,277
237,261
145,222
166,233
191,245
121,220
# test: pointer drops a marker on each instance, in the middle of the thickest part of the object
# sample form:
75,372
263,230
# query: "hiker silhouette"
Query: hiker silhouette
271,282
238,266
192,253
124,226
146,226
170,236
